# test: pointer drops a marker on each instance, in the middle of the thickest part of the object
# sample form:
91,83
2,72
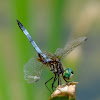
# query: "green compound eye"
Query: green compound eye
68,73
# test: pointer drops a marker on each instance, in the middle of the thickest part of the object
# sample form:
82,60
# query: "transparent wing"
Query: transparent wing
49,55
32,70
61,53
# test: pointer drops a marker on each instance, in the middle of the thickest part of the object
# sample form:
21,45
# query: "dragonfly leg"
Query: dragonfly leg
65,79
58,79
47,82
53,83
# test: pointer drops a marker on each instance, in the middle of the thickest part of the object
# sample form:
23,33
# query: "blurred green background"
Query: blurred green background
51,23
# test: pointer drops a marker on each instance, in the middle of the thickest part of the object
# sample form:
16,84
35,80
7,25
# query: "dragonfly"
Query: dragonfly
34,67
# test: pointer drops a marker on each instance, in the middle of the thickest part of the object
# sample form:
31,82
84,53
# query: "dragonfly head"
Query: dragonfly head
68,73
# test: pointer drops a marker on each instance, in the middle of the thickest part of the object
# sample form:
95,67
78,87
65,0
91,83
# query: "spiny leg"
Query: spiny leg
53,83
65,79
58,79
47,82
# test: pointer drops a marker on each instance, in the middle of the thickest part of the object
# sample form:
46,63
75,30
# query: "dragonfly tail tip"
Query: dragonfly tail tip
19,24
17,21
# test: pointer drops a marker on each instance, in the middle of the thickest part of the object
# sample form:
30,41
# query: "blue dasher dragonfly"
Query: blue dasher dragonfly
33,68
